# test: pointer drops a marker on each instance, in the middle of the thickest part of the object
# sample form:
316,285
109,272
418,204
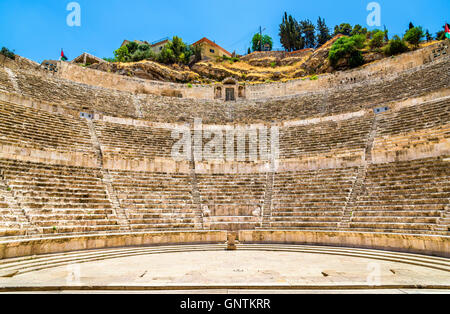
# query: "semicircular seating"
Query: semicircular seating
342,167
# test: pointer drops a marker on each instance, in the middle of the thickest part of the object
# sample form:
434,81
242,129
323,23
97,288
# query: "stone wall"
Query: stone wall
129,84
347,96
39,246
411,129
384,69
421,244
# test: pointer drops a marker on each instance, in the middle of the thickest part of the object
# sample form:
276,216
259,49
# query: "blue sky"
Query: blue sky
37,29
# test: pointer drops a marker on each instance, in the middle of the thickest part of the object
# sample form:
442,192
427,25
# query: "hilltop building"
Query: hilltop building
210,49
155,46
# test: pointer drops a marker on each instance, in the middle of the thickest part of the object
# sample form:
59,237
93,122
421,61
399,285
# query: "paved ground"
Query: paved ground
294,267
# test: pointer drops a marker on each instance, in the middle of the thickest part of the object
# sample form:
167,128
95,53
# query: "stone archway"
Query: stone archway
218,92
229,90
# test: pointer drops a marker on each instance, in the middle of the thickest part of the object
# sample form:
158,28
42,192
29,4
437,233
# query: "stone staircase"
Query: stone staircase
13,79
357,189
358,185
13,219
196,197
235,201
311,200
443,224
121,213
60,199
156,201
107,181
268,194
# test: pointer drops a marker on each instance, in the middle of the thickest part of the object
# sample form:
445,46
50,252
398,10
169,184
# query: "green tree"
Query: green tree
359,30
414,36
122,54
290,34
440,35
359,41
195,51
259,42
323,32
344,29
166,56
348,48
178,47
377,40
142,52
308,30
132,47
176,51
428,36
267,41
8,53
395,46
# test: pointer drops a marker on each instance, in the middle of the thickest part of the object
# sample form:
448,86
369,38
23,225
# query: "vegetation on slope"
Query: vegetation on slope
7,53
175,51
310,50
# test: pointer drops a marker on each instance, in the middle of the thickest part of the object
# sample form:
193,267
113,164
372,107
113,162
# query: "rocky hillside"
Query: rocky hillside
150,70
257,67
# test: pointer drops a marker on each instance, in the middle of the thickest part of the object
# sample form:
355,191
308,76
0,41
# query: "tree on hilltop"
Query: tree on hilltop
344,29
377,40
290,34
308,30
358,30
348,48
259,42
323,32
428,36
414,36
395,46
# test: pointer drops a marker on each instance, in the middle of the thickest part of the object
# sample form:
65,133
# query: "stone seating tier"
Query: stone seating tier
60,199
133,141
156,200
5,82
232,199
398,197
407,196
79,97
32,128
413,118
311,199
323,137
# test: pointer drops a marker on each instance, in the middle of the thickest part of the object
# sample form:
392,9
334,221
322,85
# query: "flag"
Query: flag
63,56
447,31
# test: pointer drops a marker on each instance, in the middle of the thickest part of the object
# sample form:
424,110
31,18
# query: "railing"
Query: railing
159,40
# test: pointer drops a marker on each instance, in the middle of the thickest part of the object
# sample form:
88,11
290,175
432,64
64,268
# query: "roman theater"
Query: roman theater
335,183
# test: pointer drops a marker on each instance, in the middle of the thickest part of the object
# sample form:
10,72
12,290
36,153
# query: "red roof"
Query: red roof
160,42
206,40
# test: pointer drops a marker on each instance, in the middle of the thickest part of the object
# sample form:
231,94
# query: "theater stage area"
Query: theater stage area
251,268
